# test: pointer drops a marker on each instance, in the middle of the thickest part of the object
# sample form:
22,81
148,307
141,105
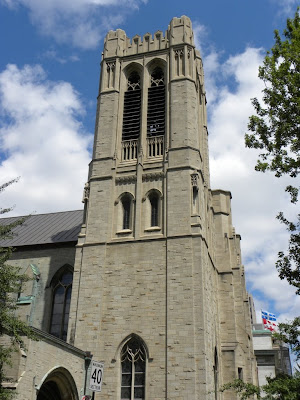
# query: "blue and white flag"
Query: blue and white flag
269,320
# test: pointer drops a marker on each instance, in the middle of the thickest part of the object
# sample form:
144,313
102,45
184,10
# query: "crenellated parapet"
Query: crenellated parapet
175,47
179,32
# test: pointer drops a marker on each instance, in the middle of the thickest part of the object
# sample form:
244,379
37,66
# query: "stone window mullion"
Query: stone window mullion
132,378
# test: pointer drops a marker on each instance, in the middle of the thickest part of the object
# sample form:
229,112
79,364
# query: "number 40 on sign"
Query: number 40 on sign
96,376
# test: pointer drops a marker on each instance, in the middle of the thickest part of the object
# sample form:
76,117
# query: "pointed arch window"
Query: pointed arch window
195,193
126,208
133,364
156,104
154,203
132,108
62,290
152,211
216,374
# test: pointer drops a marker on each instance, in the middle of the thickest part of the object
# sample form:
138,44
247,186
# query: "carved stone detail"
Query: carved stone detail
86,193
125,179
110,66
195,180
178,53
153,176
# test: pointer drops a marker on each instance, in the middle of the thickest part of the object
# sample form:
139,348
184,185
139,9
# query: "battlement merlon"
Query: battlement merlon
117,44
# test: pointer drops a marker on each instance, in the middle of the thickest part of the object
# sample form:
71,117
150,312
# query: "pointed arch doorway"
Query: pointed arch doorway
58,385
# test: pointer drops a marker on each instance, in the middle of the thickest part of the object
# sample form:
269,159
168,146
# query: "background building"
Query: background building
154,287
272,356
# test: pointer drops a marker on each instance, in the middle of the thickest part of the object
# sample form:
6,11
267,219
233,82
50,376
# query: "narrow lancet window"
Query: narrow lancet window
132,108
195,194
62,289
156,114
156,104
216,372
154,202
195,200
126,205
133,362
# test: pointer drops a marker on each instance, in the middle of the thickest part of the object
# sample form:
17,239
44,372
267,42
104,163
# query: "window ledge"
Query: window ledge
25,300
132,161
153,229
154,159
124,232
196,224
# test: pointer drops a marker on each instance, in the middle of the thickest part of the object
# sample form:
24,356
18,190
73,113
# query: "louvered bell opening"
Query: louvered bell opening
156,111
132,115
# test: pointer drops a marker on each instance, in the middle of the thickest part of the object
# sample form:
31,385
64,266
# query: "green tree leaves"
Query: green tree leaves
282,387
243,389
276,125
11,327
276,131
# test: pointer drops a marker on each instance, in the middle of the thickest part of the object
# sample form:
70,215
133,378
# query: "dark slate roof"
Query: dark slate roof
57,227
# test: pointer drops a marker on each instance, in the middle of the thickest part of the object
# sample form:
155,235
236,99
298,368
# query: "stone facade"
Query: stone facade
177,286
46,360
48,259
158,262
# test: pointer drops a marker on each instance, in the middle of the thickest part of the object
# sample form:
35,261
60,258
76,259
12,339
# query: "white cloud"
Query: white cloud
257,197
80,23
200,34
42,140
286,6
51,54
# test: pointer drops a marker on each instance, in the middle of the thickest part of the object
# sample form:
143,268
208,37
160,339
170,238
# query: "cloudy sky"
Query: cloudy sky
49,71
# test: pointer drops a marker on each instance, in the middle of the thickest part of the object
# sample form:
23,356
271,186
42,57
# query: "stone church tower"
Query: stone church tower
158,291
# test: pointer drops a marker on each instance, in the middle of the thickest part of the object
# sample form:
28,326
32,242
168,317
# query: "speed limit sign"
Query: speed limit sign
96,376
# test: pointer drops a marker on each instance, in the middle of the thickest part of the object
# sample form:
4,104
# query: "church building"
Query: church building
148,279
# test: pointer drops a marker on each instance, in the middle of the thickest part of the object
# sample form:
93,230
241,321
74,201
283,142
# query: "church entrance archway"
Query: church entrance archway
58,385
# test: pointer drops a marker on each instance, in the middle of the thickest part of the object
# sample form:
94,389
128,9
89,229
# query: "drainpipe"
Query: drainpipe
87,365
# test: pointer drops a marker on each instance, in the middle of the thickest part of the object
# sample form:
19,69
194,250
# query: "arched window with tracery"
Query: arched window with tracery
133,364
62,289
156,113
131,117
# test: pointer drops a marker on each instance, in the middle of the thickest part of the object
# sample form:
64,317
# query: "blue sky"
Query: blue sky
49,72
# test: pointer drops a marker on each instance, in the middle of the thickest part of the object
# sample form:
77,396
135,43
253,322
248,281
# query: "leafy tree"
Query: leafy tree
290,333
288,265
276,131
11,327
276,127
244,390
282,387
